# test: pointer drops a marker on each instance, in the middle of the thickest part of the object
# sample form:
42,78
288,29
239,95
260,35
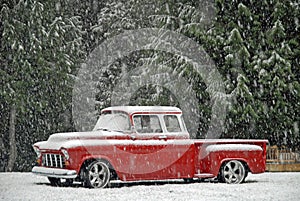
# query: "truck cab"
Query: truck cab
144,122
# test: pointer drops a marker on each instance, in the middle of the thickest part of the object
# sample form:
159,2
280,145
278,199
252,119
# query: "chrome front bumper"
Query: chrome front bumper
54,172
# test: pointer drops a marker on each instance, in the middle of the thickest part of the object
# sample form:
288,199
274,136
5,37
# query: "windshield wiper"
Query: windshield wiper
107,129
103,129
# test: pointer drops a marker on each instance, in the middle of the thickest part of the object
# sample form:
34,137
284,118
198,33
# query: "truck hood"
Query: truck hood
74,139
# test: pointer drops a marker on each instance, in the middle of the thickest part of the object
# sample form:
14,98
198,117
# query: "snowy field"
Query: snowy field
267,186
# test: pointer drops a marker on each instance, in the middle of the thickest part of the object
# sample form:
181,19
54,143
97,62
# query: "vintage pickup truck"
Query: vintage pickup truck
131,143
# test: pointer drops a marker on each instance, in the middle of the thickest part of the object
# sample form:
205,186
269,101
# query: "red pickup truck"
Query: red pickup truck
131,143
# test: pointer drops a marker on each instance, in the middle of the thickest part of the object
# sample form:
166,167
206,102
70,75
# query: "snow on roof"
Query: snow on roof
135,109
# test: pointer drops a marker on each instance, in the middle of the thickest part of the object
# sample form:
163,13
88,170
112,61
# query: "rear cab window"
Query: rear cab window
172,123
157,123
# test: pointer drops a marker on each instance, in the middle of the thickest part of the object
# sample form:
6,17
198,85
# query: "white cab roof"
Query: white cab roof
146,109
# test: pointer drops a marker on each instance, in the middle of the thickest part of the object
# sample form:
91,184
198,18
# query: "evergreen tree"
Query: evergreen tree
39,51
260,65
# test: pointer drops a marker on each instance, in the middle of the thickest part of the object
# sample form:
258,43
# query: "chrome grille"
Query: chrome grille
53,160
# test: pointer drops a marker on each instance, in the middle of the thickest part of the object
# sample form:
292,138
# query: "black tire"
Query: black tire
233,172
97,175
246,175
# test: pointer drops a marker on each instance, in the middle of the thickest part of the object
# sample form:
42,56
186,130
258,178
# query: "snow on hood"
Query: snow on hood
67,140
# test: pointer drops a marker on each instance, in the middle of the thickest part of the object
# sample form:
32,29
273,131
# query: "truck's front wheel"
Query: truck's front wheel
233,172
97,175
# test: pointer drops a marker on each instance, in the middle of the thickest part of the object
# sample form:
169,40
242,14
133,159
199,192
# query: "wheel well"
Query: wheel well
247,169
86,163
242,161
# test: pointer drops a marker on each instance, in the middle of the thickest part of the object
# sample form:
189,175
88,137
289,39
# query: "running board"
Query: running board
204,175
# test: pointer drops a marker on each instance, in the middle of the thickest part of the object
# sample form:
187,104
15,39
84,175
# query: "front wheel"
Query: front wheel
97,175
233,172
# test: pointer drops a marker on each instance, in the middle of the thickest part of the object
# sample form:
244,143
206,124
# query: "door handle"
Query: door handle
162,137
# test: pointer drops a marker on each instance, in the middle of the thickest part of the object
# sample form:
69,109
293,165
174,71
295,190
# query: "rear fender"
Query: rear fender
253,160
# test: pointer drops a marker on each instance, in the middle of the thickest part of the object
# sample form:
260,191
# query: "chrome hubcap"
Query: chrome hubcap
234,172
99,175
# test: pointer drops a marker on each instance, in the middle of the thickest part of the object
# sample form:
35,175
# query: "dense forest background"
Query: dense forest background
255,45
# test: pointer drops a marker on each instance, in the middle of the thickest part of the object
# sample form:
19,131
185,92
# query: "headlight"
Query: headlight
65,153
37,151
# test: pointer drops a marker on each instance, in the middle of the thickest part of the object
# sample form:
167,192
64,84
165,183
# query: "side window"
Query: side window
147,124
172,123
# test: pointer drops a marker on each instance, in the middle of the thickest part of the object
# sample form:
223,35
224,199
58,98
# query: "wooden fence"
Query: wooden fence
282,155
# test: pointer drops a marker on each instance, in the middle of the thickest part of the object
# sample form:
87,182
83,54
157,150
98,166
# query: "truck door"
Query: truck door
153,153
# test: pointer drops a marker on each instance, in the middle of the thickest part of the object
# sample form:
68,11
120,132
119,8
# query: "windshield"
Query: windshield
116,121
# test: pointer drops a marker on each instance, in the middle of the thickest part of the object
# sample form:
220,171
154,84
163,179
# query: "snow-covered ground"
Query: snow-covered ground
267,186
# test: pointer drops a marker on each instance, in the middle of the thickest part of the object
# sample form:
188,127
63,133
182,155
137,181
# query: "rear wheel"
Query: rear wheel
97,175
233,172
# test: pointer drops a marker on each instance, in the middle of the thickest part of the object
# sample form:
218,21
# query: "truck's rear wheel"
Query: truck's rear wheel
97,175
233,172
